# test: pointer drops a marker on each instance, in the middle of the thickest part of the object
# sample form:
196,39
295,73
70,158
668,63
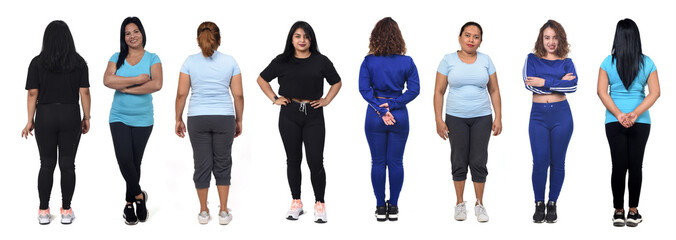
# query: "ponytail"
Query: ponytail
208,37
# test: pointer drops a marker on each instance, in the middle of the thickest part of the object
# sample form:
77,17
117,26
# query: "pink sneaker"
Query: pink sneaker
296,210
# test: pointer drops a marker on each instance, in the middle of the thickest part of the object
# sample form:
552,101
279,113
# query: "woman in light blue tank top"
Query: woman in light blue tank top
624,74
212,121
134,73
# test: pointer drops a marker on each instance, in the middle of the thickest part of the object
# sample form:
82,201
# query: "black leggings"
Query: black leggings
57,125
130,143
626,150
301,124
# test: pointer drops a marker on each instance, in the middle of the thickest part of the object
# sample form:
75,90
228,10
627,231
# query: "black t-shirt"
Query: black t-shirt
56,87
302,77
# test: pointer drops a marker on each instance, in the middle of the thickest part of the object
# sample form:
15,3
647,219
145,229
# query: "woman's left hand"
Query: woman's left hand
497,127
322,102
389,119
85,125
238,129
535,81
386,106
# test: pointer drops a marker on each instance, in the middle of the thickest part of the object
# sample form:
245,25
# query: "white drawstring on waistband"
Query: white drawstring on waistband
303,108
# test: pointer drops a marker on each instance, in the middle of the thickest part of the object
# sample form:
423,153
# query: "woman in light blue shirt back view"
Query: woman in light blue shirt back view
213,122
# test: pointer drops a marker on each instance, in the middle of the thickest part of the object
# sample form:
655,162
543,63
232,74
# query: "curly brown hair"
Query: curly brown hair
561,50
386,39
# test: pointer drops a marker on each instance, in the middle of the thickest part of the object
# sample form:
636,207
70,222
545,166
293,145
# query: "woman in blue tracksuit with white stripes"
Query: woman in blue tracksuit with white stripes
381,80
549,74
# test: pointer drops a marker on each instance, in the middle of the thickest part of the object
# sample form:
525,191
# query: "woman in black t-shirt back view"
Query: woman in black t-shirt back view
301,71
57,78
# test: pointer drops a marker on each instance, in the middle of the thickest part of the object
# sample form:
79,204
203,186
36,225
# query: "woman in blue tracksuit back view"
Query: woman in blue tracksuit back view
382,77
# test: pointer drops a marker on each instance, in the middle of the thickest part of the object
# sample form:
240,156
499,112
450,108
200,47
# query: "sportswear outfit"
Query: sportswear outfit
382,80
551,124
57,125
300,123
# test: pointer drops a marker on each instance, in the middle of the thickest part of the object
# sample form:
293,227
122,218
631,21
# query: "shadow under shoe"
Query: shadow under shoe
539,215
551,212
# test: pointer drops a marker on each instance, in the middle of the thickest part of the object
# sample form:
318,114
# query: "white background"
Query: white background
254,32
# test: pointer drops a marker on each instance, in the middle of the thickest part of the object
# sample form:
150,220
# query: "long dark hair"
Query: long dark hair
124,49
627,51
58,49
386,39
289,50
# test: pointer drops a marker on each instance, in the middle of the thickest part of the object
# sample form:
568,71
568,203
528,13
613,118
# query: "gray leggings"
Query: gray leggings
211,138
469,146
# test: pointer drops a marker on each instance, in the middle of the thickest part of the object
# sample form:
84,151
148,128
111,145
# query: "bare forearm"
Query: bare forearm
146,88
266,88
648,102
86,99
438,103
333,91
609,103
239,108
117,82
31,104
497,104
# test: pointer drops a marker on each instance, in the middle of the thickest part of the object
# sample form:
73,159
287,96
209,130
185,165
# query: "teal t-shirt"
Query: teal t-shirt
467,85
628,99
134,110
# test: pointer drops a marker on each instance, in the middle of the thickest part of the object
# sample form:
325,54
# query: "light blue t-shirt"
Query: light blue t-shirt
210,83
628,99
134,110
467,83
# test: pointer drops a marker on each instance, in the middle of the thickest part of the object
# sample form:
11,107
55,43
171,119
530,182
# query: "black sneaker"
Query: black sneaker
551,212
392,212
633,219
141,210
618,219
129,215
381,213
539,215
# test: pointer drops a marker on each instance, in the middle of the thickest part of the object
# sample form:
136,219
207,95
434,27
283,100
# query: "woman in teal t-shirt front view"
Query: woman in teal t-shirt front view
134,74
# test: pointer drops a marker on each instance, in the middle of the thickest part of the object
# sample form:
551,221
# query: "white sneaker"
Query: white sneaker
320,212
296,210
460,212
44,217
225,218
204,217
67,216
480,212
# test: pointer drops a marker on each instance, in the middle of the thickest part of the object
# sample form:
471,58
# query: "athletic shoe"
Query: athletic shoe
392,212
381,213
225,217
203,217
141,210
44,217
480,212
633,219
539,215
67,216
460,212
551,212
618,219
129,215
320,212
296,210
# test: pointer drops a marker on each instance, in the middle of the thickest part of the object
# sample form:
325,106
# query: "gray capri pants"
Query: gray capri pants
211,137
469,146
